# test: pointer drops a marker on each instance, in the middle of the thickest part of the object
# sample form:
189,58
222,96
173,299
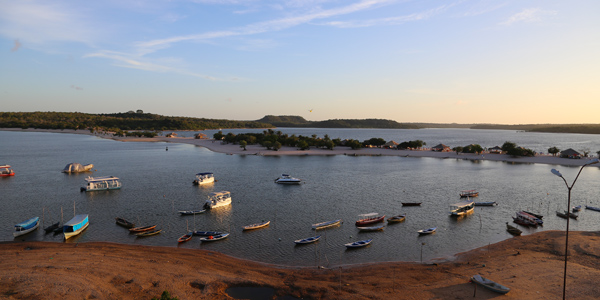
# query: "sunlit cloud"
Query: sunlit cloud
16,46
528,15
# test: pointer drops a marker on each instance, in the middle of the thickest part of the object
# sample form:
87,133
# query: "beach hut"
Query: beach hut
200,136
495,150
171,135
441,148
390,145
570,153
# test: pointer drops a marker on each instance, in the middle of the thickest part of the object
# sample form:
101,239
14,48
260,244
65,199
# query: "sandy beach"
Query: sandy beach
532,266
218,146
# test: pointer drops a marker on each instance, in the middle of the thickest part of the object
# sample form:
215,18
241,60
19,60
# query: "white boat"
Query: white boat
218,199
427,231
75,226
212,238
287,179
462,208
204,178
326,224
308,240
490,285
371,228
26,227
101,184
76,168
359,243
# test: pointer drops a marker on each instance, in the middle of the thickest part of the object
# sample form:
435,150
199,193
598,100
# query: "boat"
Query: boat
562,215
411,203
52,227
571,215
206,233
489,203
469,193
462,208
191,212
212,238
186,237
326,224
218,199
576,208
75,226
308,240
124,223
76,168
368,219
204,178
592,208
26,226
101,184
524,222
148,233
257,225
427,231
529,216
534,214
358,243
490,285
142,229
513,230
287,179
371,228
5,171
396,219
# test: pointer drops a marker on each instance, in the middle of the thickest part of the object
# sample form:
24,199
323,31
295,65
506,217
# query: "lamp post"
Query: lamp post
557,173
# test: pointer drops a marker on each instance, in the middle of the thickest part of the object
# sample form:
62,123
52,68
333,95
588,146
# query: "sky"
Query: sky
479,61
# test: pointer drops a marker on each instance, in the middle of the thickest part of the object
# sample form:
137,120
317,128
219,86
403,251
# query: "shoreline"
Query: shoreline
532,266
217,146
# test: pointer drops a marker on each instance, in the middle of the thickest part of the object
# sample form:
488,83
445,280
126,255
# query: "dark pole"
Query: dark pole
567,241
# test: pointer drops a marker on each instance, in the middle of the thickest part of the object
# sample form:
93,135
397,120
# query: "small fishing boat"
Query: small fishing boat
562,215
571,215
287,179
52,227
5,171
326,224
534,214
206,233
530,217
462,208
490,285
257,225
576,208
76,226
427,231
124,223
368,219
592,208
524,222
148,233
513,230
101,184
142,229
186,237
212,238
411,203
489,203
204,178
469,193
218,199
191,212
308,240
26,226
371,228
396,219
358,244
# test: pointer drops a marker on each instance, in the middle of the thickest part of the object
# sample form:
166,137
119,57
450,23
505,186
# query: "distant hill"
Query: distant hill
297,121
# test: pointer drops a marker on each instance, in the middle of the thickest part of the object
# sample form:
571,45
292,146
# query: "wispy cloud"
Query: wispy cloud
16,46
391,20
528,15
76,87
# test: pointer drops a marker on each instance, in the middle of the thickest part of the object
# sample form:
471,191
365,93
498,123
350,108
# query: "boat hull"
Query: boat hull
26,231
257,226
370,221
69,235
327,224
490,285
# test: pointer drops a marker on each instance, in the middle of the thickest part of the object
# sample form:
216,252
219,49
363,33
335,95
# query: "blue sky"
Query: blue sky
508,62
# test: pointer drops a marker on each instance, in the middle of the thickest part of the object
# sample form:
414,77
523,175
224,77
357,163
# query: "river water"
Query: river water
158,183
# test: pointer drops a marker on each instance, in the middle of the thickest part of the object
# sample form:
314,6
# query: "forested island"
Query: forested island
138,120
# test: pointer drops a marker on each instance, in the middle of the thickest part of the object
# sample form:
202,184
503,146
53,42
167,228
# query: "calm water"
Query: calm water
158,183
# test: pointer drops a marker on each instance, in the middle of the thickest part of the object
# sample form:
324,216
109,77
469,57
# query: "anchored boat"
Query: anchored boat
26,227
101,184
75,226
204,178
218,199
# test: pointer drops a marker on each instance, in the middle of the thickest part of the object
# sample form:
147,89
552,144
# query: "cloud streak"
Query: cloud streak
528,15
16,46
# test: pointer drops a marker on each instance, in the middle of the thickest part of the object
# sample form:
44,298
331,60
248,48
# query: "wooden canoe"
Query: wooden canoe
142,229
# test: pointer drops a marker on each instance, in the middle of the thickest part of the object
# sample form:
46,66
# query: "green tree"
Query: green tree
243,144
218,136
553,151
303,145
276,146
458,149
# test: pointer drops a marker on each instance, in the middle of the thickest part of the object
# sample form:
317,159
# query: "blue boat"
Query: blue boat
358,243
75,226
27,226
308,240
206,233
